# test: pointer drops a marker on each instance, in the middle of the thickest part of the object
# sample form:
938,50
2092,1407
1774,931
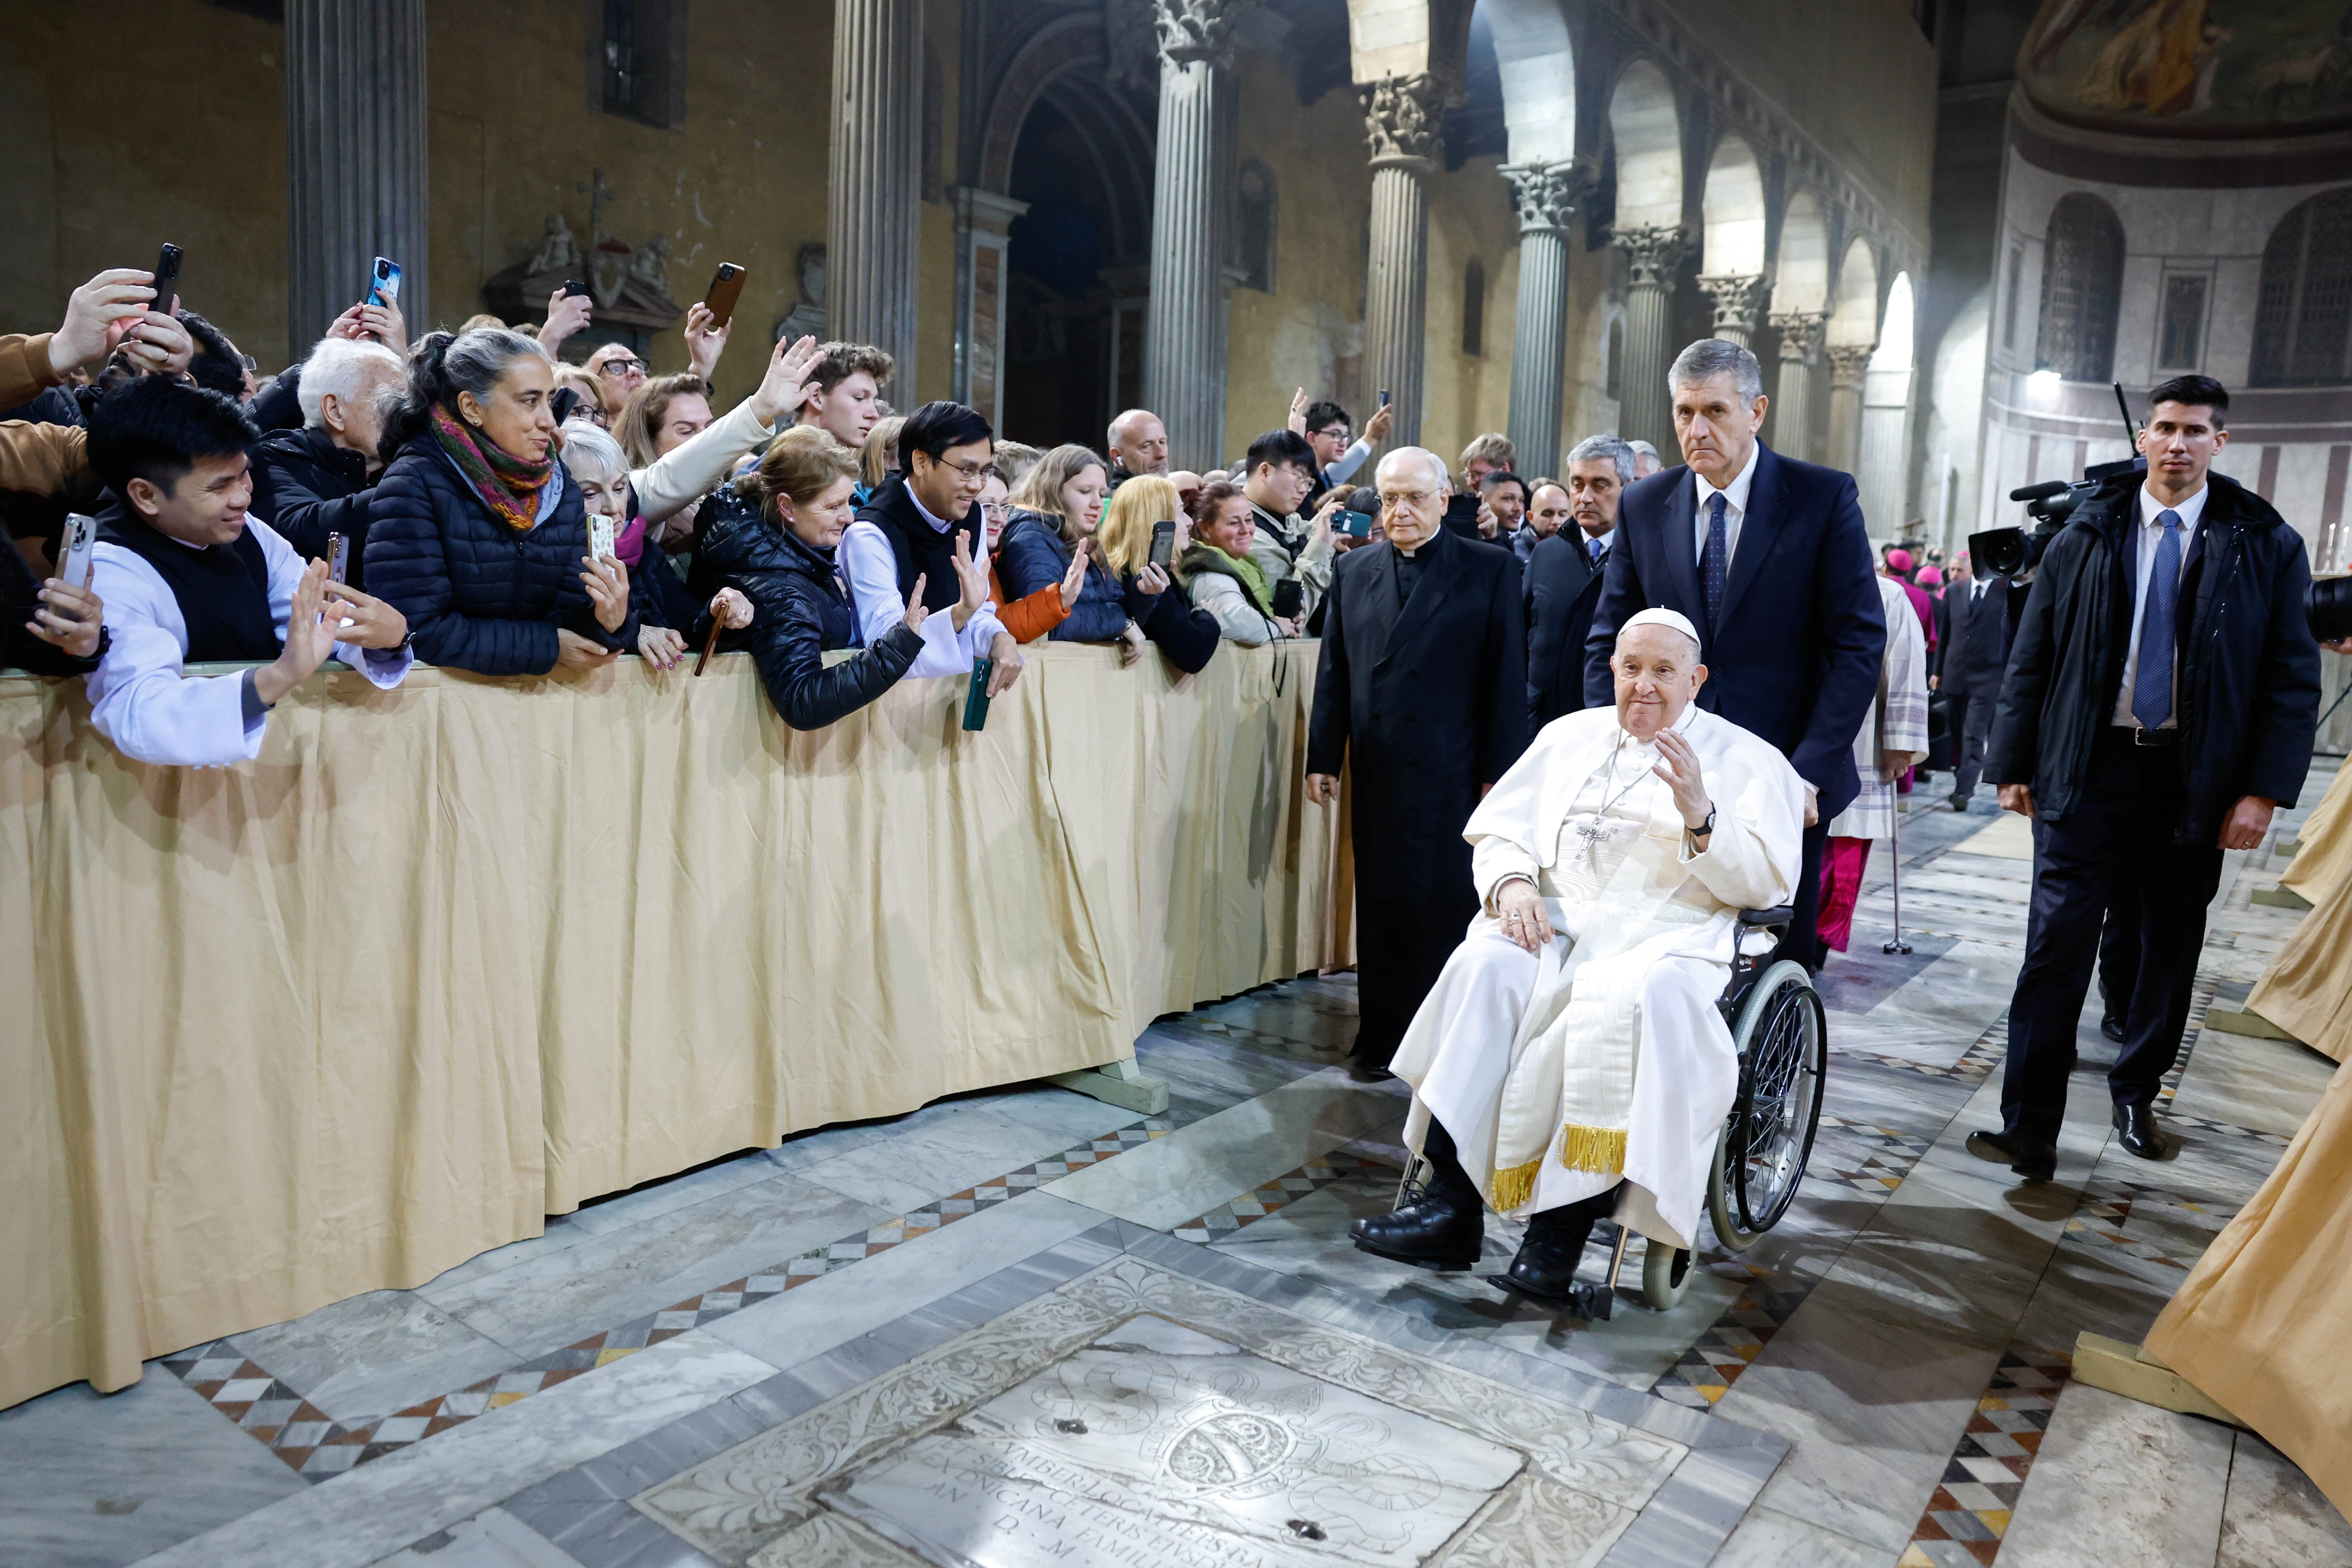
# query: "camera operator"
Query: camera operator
2160,702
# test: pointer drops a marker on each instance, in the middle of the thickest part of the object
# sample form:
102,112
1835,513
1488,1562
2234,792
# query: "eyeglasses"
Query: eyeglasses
971,471
623,367
1413,498
996,508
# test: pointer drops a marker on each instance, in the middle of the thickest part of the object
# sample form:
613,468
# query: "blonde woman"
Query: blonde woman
1187,636
1055,509
879,456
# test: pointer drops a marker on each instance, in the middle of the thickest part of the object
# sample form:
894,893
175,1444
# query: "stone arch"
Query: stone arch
1853,319
1408,38
2300,341
1897,331
1539,70
1732,212
1066,58
1645,130
1800,277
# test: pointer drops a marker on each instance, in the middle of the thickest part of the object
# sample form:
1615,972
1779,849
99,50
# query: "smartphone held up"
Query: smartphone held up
726,288
384,282
76,560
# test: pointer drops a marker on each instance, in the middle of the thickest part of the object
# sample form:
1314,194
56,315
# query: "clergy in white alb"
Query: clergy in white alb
1572,1062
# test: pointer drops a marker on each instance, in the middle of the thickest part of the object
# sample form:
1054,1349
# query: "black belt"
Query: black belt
2144,740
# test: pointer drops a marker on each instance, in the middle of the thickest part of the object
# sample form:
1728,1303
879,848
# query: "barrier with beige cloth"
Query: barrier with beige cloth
448,958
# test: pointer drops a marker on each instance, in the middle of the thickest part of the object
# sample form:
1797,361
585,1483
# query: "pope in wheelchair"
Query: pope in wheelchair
1572,1062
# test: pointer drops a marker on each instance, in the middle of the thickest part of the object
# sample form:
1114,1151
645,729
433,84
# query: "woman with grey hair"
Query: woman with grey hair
474,533
601,468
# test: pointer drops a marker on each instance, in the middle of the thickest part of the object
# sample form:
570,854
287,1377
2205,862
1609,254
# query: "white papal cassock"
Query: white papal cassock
1603,1058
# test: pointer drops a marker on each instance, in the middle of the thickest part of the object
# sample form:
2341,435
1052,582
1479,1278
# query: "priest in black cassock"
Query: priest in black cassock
1423,693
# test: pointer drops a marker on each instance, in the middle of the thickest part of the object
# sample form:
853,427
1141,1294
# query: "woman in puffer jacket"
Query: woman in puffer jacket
771,536
1055,509
474,533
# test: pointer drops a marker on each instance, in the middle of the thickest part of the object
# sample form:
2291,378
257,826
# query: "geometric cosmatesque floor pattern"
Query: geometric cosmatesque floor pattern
1101,1337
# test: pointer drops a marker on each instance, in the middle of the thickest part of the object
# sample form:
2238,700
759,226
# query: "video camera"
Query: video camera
2012,552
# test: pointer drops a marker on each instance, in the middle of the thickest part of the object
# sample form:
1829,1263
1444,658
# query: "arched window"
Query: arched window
1474,307
2302,322
1256,226
2081,281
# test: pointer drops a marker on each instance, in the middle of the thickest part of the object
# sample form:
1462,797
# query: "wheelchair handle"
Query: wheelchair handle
1759,919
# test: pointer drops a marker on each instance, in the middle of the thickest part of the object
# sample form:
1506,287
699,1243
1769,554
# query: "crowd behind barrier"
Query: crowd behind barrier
446,958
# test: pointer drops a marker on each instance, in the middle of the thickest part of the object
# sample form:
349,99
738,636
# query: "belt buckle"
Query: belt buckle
2154,740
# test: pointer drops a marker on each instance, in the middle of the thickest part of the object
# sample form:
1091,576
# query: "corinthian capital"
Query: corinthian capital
1655,251
1548,194
1800,334
1848,361
1196,30
1402,113
1740,299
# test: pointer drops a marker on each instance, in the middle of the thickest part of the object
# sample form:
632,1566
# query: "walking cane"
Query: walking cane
1895,849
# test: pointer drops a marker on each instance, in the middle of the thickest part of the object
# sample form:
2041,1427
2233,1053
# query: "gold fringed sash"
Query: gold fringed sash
1516,1186
1601,1150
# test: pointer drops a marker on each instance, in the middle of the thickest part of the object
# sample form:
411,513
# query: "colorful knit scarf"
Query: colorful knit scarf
508,486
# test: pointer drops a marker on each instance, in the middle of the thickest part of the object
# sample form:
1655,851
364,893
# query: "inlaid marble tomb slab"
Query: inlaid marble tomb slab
1152,1420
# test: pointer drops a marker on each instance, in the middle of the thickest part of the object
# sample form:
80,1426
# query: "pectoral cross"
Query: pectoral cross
1594,831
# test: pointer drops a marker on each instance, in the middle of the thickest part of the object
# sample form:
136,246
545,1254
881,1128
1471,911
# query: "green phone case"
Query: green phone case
975,706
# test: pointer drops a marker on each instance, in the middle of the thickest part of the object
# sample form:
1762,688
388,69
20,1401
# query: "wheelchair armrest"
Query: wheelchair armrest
1756,919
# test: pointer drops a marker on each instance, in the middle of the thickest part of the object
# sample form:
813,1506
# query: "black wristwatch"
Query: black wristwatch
1704,828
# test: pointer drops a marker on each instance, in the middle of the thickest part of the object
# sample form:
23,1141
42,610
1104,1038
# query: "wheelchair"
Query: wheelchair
1782,1034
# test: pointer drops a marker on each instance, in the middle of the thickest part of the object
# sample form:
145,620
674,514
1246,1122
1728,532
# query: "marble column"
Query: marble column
1739,301
1400,120
1656,253
1884,467
355,166
1848,365
874,192
1794,416
984,230
1548,194
1184,321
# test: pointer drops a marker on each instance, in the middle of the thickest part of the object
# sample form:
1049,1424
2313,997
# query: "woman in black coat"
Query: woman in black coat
474,533
771,536
1187,636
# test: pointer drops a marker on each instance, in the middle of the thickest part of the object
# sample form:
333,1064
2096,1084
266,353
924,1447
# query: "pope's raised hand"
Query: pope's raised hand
1678,766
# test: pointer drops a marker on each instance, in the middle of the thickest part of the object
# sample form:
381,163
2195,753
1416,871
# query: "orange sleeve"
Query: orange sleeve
24,368
46,461
1028,619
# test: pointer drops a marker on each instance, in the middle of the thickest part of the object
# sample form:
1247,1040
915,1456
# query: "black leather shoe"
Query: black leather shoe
2035,1159
1959,803
2112,1027
2136,1130
1544,1266
1433,1228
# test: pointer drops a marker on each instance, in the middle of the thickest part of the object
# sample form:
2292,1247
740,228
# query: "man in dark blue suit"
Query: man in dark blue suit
1769,557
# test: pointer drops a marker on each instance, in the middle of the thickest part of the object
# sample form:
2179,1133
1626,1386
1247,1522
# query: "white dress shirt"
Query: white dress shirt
139,697
1735,507
2145,539
871,569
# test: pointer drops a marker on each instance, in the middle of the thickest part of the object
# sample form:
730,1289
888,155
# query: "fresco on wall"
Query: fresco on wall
2194,67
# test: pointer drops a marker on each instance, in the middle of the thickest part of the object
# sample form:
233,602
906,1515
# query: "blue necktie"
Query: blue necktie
2151,701
1714,559
1593,548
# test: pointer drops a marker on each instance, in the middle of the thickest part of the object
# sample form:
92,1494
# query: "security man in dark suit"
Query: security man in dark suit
1972,651
1562,577
1422,694
2160,702
1769,558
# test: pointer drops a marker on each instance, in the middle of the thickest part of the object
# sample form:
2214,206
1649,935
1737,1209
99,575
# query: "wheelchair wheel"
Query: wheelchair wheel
1783,1042
1666,1274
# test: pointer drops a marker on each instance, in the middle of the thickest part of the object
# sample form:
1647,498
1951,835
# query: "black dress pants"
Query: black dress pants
2123,817
1802,940
1971,717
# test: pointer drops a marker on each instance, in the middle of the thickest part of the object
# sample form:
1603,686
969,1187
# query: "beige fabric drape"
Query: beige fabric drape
446,958
2304,989
2263,1322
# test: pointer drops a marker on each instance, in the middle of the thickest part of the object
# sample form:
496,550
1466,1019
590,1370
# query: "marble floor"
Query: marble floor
1025,1328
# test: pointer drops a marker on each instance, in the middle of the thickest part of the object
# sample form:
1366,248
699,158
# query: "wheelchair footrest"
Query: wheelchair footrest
1594,1303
